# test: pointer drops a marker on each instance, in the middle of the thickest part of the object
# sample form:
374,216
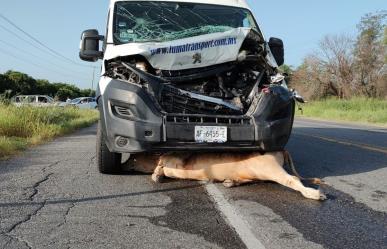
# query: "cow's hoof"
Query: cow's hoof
229,183
157,178
314,194
323,197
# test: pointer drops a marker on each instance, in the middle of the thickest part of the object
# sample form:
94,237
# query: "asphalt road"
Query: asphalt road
52,196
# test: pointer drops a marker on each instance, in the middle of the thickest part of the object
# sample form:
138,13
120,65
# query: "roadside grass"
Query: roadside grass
21,127
362,110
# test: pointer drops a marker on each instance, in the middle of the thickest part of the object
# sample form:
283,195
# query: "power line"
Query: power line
41,43
25,40
36,56
39,48
31,44
35,64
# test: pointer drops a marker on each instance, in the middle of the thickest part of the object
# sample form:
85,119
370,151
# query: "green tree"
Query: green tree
74,89
87,93
64,93
22,83
370,51
385,44
5,84
288,71
43,87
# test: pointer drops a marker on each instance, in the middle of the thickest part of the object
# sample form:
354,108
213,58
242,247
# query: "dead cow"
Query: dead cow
231,169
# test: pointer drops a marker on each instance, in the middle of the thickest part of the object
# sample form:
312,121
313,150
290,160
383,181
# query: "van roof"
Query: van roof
234,3
33,95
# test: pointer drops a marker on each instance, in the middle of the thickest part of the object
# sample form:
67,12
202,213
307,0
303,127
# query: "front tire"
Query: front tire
107,162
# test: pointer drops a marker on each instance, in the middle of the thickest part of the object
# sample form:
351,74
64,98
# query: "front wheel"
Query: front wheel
108,162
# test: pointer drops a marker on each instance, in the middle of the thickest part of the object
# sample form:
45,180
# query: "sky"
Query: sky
59,24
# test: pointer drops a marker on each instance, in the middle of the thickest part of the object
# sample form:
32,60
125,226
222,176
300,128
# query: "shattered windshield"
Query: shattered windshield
166,21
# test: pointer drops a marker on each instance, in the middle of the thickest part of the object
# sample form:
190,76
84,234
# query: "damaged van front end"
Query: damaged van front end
152,114
189,75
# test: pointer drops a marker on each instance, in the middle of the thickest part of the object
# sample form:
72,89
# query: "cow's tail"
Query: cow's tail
289,160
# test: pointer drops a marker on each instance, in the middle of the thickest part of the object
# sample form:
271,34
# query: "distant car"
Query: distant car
84,103
34,100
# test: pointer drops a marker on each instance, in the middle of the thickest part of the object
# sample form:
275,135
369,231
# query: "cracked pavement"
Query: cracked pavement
52,196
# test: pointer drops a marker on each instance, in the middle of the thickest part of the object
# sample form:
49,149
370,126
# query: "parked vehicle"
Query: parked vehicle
193,75
34,100
84,103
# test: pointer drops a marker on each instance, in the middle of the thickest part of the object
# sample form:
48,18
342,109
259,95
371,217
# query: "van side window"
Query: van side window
42,100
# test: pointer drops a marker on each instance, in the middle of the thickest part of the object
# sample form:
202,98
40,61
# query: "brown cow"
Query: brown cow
231,169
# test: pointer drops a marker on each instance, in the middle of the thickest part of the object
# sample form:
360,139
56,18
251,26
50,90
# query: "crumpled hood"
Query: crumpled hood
193,52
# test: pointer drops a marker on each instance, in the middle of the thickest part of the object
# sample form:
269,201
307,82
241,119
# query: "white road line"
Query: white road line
236,221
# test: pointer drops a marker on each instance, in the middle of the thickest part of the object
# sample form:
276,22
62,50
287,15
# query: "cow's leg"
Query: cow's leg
277,174
294,182
171,161
158,174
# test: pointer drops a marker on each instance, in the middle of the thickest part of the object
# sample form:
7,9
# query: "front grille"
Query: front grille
172,102
193,119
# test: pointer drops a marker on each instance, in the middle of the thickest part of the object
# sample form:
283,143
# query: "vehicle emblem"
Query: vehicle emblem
197,58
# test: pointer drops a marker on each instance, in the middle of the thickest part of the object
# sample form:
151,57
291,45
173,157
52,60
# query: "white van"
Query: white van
33,100
193,75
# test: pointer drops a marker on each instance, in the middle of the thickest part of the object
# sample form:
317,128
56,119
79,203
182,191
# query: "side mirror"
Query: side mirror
277,49
89,49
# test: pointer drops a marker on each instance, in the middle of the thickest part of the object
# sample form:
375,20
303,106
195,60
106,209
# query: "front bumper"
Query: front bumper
132,122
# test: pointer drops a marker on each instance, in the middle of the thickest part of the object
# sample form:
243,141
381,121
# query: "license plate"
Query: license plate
211,134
